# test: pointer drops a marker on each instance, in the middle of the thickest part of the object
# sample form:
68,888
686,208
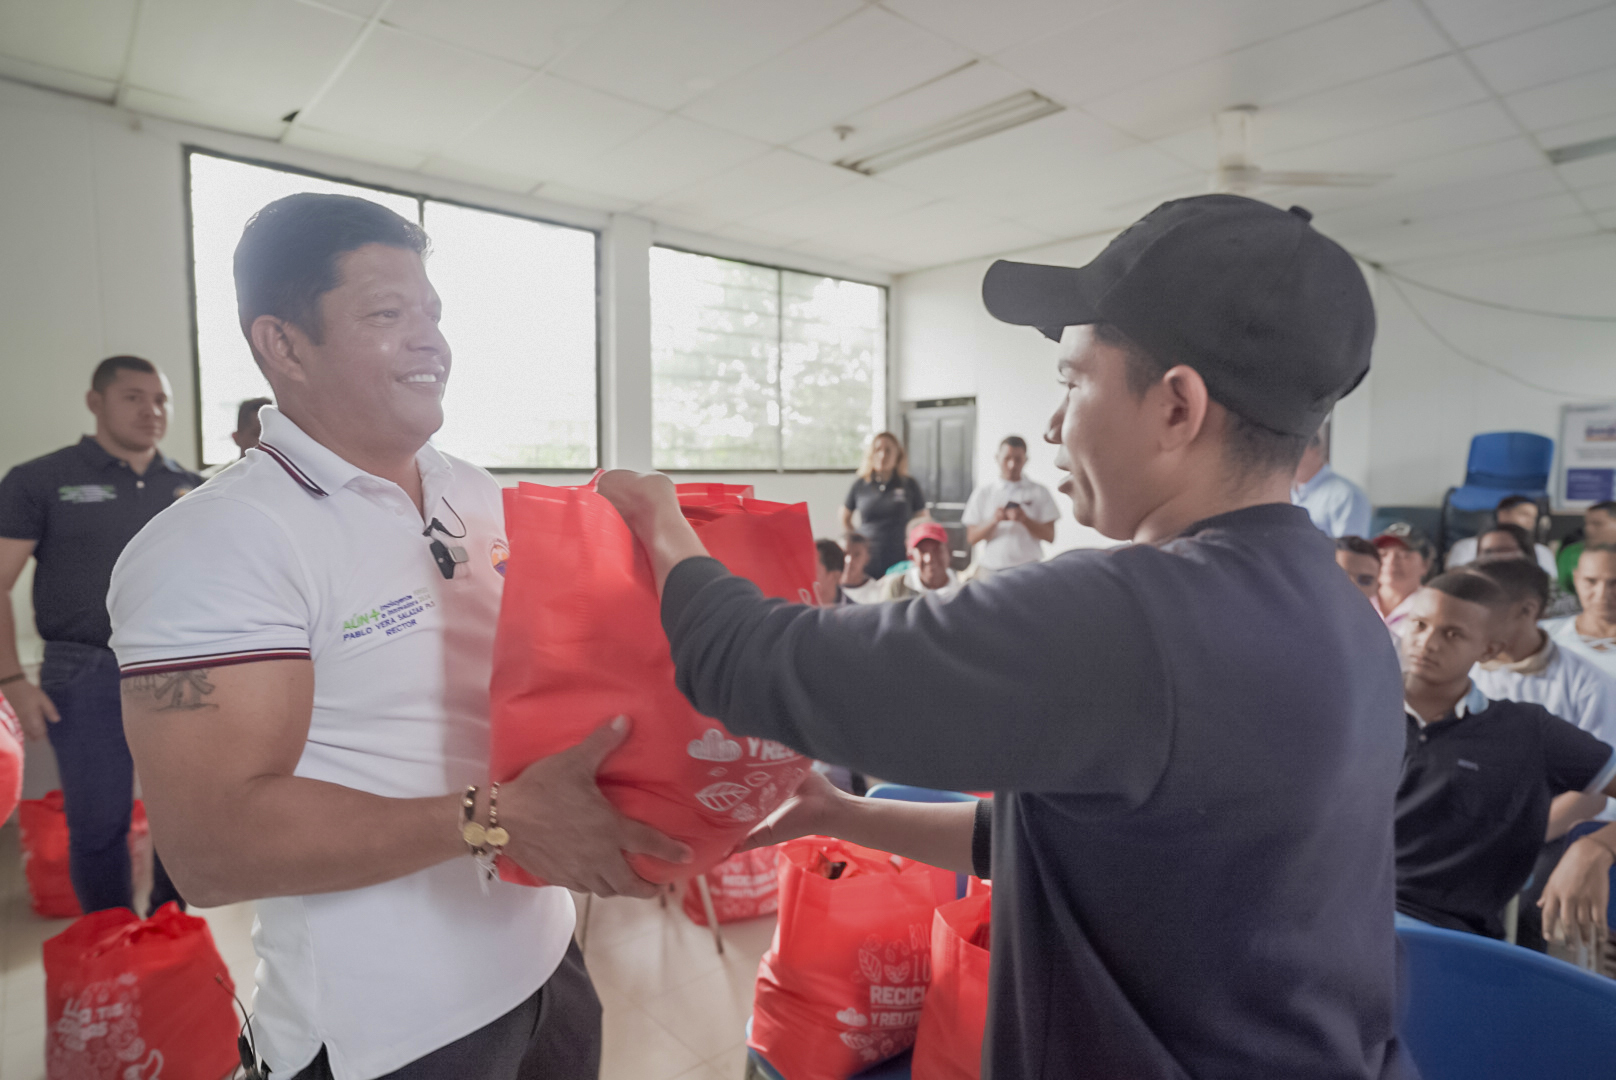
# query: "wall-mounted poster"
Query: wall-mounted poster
1587,472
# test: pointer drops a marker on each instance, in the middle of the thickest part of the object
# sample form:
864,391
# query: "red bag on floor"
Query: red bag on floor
43,826
743,886
136,999
580,641
11,757
841,987
948,1044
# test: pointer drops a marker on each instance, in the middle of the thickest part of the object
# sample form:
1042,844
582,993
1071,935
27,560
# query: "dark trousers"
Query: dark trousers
553,1035
98,776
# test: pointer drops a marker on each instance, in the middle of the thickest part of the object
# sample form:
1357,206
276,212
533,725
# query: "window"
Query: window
759,368
518,310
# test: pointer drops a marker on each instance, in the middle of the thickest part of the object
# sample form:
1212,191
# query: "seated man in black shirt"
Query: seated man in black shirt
1478,775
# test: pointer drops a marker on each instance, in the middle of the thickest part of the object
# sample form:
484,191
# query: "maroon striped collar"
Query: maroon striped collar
293,471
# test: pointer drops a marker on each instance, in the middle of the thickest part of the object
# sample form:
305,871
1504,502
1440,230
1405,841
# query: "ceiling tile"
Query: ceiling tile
666,52
1132,43
1456,167
988,28
776,179
855,64
548,126
342,144
864,201
590,200
1565,102
674,154
1473,21
54,78
943,233
363,8
1389,148
454,169
89,37
1352,47
748,234
1550,53
1602,197
1598,127
207,113
1481,231
412,93
1398,209
1589,171
258,58
517,30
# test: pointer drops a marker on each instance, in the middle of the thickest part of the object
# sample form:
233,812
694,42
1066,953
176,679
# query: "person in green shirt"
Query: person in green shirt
1598,527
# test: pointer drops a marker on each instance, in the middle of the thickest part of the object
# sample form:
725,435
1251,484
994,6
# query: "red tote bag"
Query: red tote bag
580,641
841,988
11,758
743,886
43,825
134,999
948,1044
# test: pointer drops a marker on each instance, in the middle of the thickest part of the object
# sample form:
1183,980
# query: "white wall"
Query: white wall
1403,434
92,218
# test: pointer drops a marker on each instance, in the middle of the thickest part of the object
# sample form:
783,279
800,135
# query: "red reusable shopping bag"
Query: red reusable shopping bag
743,886
948,1044
841,987
44,853
136,999
580,641
10,759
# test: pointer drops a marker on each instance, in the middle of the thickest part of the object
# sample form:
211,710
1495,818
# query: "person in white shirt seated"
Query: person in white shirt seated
1337,506
1010,516
1405,560
1592,633
1361,561
929,573
857,586
1517,510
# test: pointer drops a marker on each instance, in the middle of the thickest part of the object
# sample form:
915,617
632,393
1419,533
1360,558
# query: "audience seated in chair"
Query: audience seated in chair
831,563
1406,556
857,586
1592,633
1478,774
1361,561
1516,510
1598,527
928,573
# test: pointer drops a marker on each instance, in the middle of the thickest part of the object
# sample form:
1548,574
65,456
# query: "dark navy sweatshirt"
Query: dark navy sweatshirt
1195,748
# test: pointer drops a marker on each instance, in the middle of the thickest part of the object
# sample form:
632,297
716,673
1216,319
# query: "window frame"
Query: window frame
188,150
886,361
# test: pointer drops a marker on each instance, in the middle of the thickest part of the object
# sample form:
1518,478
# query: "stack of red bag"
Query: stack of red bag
948,1042
842,987
137,999
580,641
743,886
44,853
11,757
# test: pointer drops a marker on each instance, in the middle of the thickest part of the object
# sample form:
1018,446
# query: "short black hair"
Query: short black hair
854,538
1522,538
1510,501
1520,579
248,410
107,370
831,556
287,257
1471,586
1358,546
1606,507
1015,441
1250,447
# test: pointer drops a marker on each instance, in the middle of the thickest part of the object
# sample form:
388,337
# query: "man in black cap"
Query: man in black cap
1194,739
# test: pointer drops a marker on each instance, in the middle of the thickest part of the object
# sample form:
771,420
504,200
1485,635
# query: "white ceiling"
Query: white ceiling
718,116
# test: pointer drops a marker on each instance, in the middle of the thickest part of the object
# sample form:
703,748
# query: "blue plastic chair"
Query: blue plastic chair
1479,1009
1504,463
896,1068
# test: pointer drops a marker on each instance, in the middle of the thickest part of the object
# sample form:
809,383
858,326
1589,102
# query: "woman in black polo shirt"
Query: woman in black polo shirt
886,498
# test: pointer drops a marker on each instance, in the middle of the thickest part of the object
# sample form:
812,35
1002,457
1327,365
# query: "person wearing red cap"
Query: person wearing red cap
1405,561
929,573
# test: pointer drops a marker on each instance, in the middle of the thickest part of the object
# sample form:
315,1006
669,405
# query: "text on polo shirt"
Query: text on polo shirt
390,618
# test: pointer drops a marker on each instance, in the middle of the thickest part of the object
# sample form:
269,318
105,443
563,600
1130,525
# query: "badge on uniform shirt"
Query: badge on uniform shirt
499,553
86,493
183,490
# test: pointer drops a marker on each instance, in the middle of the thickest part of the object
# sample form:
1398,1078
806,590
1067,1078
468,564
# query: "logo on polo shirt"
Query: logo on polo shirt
390,618
183,490
499,554
86,493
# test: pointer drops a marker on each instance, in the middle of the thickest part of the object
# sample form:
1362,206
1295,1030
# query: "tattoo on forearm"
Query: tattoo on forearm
174,691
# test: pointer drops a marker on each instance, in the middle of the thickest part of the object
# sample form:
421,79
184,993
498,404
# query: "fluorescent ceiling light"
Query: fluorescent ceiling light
979,123
1577,151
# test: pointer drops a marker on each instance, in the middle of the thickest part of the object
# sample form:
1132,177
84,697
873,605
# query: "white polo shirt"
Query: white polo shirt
295,553
1010,544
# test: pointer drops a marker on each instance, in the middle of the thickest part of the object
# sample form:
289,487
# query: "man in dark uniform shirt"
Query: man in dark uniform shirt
1194,740
73,511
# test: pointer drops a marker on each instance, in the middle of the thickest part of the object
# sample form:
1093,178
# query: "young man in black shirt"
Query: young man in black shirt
1478,775
1193,739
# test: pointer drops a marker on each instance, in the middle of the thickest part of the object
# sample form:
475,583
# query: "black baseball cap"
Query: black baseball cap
1275,316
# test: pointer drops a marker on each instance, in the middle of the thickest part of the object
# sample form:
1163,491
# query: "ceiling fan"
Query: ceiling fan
1237,174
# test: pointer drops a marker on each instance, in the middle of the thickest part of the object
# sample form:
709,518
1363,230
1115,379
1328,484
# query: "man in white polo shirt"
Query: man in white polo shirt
1010,516
306,646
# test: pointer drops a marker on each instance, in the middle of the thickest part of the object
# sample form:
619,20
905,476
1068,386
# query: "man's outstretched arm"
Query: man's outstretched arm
216,748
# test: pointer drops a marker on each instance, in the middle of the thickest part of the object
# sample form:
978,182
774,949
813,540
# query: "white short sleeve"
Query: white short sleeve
976,507
1044,509
209,582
